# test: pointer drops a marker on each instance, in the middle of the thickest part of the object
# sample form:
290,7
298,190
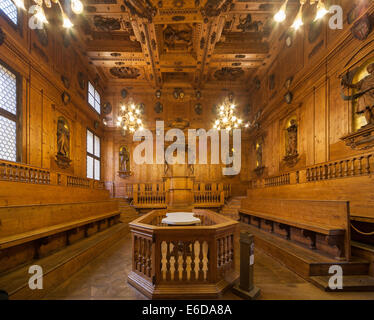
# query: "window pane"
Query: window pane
8,91
8,139
9,8
97,96
91,89
98,107
89,142
91,100
90,167
97,169
97,146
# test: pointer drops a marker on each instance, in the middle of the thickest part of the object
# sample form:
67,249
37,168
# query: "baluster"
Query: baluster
353,166
201,264
136,252
186,245
360,165
346,168
308,174
367,169
340,169
193,273
176,262
168,265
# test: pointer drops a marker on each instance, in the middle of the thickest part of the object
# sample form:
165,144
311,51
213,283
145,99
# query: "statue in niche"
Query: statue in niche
259,155
292,155
291,149
259,160
63,143
124,162
365,96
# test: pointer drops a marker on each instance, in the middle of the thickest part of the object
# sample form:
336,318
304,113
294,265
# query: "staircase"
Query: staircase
231,208
128,213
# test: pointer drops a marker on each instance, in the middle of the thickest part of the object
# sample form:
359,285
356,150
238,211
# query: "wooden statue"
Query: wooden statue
63,138
291,148
124,160
259,155
365,96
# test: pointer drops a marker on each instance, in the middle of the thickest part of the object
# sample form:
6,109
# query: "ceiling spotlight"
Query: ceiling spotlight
321,10
280,16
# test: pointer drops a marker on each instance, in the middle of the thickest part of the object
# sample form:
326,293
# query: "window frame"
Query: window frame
88,97
92,155
18,117
16,26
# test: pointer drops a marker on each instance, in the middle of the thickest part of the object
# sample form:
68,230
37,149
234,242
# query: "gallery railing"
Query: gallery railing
355,166
20,172
209,198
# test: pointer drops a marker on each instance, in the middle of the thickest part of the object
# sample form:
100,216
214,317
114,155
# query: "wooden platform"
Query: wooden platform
305,262
59,266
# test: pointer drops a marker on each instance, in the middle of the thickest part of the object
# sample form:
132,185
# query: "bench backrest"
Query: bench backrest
20,219
334,214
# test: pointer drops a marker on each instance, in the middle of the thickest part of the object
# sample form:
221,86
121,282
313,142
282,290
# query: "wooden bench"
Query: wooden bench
37,224
312,218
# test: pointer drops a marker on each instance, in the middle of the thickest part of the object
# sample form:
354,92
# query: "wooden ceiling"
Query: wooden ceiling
184,43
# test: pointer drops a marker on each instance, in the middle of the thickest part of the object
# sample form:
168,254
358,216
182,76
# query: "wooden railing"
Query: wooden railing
356,166
150,199
177,259
19,172
283,179
78,182
11,171
209,198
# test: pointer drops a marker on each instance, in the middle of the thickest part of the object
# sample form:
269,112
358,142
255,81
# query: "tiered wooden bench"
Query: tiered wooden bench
324,225
29,232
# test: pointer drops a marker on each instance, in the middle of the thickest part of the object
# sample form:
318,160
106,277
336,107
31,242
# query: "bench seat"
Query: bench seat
319,228
17,239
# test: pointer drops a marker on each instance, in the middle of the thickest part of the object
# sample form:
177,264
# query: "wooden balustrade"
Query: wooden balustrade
77,182
19,172
183,261
144,198
356,166
209,197
280,180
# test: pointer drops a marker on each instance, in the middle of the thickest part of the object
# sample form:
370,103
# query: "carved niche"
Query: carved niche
63,143
125,72
229,74
259,144
291,141
124,162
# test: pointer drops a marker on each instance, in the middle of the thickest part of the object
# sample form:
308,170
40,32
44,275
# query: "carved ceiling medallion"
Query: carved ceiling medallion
125,72
229,74
107,24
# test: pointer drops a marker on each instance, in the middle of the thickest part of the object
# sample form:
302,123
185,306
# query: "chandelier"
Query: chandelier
280,16
227,120
129,118
37,10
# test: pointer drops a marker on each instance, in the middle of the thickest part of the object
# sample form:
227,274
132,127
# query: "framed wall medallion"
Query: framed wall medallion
288,97
362,28
81,80
107,108
198,109
123,93
159,107
65,97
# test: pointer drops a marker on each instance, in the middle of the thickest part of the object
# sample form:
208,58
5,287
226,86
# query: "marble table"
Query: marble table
180,219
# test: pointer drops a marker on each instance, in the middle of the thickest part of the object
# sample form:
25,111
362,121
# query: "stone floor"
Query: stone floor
106,278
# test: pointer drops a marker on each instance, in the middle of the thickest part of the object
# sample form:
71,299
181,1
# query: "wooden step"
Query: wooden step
302,260
60,265
350,283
